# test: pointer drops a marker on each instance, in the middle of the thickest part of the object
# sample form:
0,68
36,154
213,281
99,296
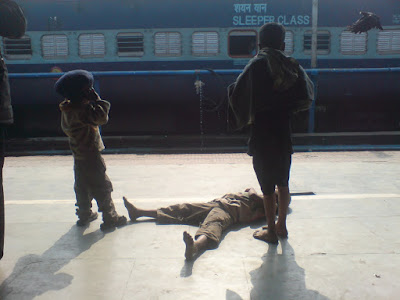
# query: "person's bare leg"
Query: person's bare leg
268,235
135,212
284,199
194,246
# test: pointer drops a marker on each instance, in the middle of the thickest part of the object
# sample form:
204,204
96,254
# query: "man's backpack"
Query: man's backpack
12,19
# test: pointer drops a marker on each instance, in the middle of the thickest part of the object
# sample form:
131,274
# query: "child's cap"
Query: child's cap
70,85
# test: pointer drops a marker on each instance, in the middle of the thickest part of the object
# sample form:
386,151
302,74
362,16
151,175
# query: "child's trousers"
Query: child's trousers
91,181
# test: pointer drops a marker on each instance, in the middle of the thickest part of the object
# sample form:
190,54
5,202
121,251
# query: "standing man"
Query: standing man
269,90
12,25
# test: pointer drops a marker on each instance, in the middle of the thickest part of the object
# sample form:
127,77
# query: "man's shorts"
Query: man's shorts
272,169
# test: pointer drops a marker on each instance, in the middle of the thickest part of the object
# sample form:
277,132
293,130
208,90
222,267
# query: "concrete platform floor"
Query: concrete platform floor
343,241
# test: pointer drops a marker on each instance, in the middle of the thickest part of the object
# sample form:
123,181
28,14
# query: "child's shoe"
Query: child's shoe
85,219
111,223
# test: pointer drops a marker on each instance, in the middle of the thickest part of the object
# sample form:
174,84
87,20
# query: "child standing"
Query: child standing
82,112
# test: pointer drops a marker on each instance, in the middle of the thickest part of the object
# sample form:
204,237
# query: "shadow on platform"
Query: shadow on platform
34,275
280,277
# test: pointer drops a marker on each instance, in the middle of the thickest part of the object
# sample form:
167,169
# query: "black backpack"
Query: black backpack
12,19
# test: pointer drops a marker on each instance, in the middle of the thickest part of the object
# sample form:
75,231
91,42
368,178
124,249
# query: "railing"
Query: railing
312,72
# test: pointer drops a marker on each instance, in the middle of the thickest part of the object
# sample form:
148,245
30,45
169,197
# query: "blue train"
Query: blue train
149,35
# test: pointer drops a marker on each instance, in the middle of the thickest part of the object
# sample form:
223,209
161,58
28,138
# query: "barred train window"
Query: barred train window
353,43
168,44
17,48
242,43
323,42
92,45
130,44
388,42
205,43
289,42
54,46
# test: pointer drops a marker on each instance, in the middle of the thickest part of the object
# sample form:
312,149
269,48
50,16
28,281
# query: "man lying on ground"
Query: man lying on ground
214,217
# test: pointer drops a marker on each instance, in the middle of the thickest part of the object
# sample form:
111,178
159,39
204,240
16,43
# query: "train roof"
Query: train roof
127,14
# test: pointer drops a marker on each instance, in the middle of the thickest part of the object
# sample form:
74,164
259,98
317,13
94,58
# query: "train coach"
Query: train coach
174,35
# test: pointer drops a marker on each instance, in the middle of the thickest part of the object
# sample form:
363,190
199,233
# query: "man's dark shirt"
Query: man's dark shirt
271,130
270,89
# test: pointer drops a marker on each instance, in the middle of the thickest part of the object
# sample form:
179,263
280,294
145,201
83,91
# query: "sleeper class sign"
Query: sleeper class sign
257,14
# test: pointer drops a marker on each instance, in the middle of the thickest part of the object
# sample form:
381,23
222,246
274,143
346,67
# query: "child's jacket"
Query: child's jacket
80,122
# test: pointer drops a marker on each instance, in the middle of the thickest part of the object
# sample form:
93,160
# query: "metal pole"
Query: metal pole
314,34
311,113
314,48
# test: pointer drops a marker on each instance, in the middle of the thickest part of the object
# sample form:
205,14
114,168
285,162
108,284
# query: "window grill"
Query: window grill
353,43
388,42
17,48
168,44
92,45
130,44
323,42
205,43
289,42
54,46
242,43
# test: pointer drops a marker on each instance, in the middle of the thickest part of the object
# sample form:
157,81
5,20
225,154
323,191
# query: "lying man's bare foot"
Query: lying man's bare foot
191,248
132,210
266,236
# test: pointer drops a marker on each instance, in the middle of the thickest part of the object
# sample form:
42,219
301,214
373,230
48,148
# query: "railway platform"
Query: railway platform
343,231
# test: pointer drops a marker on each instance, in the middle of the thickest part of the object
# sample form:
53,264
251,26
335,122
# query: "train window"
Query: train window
323,42
289,42
168,44
388,42
242,43
92,45
205,43
17,48
130,44
54,46
353,43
